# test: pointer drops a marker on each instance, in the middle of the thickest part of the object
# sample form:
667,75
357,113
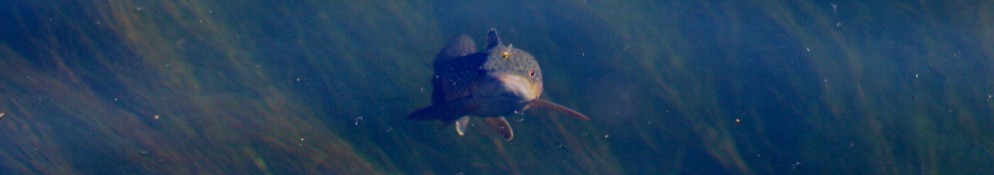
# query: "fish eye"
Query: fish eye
531,73
505,54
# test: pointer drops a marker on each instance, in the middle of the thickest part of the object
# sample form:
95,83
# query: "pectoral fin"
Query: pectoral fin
501,126
447,111
461,125
550,106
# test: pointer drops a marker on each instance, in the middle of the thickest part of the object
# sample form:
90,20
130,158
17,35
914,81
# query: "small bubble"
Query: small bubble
298,79
606,136
808,49
115,99
156,117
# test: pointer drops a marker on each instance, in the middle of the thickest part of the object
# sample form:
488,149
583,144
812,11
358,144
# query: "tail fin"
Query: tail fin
447,111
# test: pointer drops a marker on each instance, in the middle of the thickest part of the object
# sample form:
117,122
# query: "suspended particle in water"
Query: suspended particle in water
916,75
1,115
606,136
156,117
738,122
357,120
298,79
795,165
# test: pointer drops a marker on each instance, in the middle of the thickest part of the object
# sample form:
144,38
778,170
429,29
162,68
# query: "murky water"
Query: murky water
318,87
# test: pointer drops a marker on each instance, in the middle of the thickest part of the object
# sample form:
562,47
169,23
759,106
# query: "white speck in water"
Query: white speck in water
757,155
389,129
139,9
851,144
795,165
989,96
422,90
298,79
583,54
301,139
808,49
156,117
357,120
209,11
517,112
201,21
838,24
115,99
916,75
49,19
606,136
143,152
825,80
950,110
1,114
521,119
650,122
257,66
98,23
835,8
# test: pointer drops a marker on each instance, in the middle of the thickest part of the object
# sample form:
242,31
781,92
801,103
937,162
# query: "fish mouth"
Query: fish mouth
514,86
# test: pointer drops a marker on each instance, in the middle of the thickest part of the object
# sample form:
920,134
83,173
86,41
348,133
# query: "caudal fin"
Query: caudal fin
447,111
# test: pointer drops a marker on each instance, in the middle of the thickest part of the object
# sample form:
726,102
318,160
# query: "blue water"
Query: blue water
318,87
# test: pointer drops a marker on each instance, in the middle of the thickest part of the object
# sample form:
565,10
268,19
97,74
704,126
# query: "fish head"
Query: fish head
509,74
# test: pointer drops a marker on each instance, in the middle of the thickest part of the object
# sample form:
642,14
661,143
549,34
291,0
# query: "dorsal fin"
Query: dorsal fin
493,40
461,46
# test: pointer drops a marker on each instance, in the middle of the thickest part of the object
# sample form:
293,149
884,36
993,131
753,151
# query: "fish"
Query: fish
498,81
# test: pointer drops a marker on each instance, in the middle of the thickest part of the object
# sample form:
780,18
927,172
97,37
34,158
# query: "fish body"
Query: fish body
496,82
